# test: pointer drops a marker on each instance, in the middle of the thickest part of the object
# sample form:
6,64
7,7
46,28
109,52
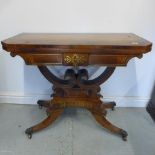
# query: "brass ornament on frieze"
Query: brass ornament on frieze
75,59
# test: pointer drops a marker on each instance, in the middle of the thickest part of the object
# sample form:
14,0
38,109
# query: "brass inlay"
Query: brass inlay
82,104
75,59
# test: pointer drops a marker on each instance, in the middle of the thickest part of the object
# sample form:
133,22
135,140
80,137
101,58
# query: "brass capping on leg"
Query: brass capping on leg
124,134
29,132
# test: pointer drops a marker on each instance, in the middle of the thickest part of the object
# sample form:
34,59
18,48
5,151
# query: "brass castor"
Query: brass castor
124,135
29,132
40,104
113,106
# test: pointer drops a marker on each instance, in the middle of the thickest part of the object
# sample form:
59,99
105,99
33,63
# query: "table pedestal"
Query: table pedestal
75,90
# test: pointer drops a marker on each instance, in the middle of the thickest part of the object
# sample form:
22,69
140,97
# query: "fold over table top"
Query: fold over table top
110,49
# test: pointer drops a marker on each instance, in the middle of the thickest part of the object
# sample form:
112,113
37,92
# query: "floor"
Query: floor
75,132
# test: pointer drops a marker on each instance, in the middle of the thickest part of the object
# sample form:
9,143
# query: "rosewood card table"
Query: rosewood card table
76,89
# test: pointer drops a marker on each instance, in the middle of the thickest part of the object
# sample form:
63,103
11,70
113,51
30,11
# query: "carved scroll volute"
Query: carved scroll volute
75,59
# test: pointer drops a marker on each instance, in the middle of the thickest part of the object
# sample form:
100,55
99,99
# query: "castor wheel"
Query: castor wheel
113,107
29,132
124,135
29,136
40,104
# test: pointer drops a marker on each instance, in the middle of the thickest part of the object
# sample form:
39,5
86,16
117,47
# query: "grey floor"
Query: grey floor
75,132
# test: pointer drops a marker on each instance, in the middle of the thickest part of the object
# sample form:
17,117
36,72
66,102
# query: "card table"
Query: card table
74,50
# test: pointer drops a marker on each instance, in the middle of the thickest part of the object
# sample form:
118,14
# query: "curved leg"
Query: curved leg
51,77
97,81
106,124
45,123
100,79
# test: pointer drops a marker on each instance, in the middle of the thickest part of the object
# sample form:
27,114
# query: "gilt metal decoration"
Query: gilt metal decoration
75,59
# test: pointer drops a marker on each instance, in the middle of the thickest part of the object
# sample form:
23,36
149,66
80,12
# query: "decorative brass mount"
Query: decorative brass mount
75,59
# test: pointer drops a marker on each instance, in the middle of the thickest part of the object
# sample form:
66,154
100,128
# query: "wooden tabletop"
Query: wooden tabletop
117,44
107,40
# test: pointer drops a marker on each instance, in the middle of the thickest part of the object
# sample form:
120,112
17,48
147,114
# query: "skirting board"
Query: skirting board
124,101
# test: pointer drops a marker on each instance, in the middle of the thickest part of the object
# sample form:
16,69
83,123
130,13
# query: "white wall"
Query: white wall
129,86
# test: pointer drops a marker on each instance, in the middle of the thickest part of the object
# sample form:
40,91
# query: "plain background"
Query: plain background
129,86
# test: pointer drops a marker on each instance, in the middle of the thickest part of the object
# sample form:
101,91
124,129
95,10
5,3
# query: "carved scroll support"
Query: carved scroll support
81,78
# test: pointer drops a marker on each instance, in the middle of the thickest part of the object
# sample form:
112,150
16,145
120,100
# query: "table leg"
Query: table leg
54,114
109,126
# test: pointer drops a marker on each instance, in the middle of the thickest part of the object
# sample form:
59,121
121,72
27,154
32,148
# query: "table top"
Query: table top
100,40
45,44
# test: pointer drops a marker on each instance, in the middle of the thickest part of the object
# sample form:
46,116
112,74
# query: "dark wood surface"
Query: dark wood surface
108,40
111,49
76,90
